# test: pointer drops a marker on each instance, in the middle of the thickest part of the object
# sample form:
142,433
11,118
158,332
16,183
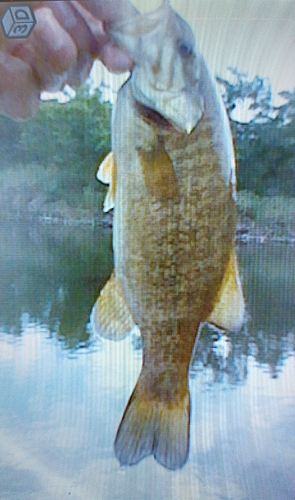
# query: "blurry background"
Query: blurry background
249,46
63,390
255,36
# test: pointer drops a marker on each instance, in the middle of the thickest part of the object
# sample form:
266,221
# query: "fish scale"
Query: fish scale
172,183
169,236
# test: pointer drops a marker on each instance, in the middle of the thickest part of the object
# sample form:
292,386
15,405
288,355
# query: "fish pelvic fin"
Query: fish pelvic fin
153,427
111,317
107,173
229,307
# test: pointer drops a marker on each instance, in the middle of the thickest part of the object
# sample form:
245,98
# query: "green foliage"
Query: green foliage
277,212
9,141
265,145
258,91
91,198
66,132
54,155
248,204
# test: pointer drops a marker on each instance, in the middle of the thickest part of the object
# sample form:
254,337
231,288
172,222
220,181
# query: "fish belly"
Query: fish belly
171,253
171,249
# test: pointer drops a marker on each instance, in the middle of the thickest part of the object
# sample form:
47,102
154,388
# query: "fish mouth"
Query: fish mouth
179,111
151,115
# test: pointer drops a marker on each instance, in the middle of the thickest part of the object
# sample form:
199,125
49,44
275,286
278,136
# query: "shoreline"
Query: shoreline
247,230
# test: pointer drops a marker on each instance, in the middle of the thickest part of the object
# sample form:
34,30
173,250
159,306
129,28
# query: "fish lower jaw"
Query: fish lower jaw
179,110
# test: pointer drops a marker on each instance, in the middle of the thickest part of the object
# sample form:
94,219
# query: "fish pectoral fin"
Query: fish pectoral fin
107,173
111,317
154,427
229,307
158,171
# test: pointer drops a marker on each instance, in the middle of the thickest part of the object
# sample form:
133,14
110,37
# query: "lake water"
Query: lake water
62,392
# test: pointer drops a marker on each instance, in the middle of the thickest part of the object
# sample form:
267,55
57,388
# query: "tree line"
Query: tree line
72,138
65,141
265,144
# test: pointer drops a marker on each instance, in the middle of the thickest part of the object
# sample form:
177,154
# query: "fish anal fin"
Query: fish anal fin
229,308
107,173
153,427
111,316
158,172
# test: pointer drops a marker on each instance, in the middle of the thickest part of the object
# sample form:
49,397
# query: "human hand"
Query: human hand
68,36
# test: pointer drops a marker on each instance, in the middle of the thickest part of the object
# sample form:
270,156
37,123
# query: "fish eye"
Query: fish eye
185,49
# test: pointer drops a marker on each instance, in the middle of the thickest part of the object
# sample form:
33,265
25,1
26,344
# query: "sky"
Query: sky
255,36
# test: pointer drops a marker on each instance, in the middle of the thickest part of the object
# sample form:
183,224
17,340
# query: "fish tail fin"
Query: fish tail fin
153,427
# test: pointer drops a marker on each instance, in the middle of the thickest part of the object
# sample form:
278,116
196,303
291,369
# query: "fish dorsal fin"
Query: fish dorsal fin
111,317
229,308
107,173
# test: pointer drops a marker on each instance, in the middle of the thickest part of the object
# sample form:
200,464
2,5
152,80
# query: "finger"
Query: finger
75,25
19,92
50,51
109,10
78,73
86,32
115,59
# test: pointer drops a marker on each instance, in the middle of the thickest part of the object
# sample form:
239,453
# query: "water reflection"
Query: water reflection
59,415
52,275
269,283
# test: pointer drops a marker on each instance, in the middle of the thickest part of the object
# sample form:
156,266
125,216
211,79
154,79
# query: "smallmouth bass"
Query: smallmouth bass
172,182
